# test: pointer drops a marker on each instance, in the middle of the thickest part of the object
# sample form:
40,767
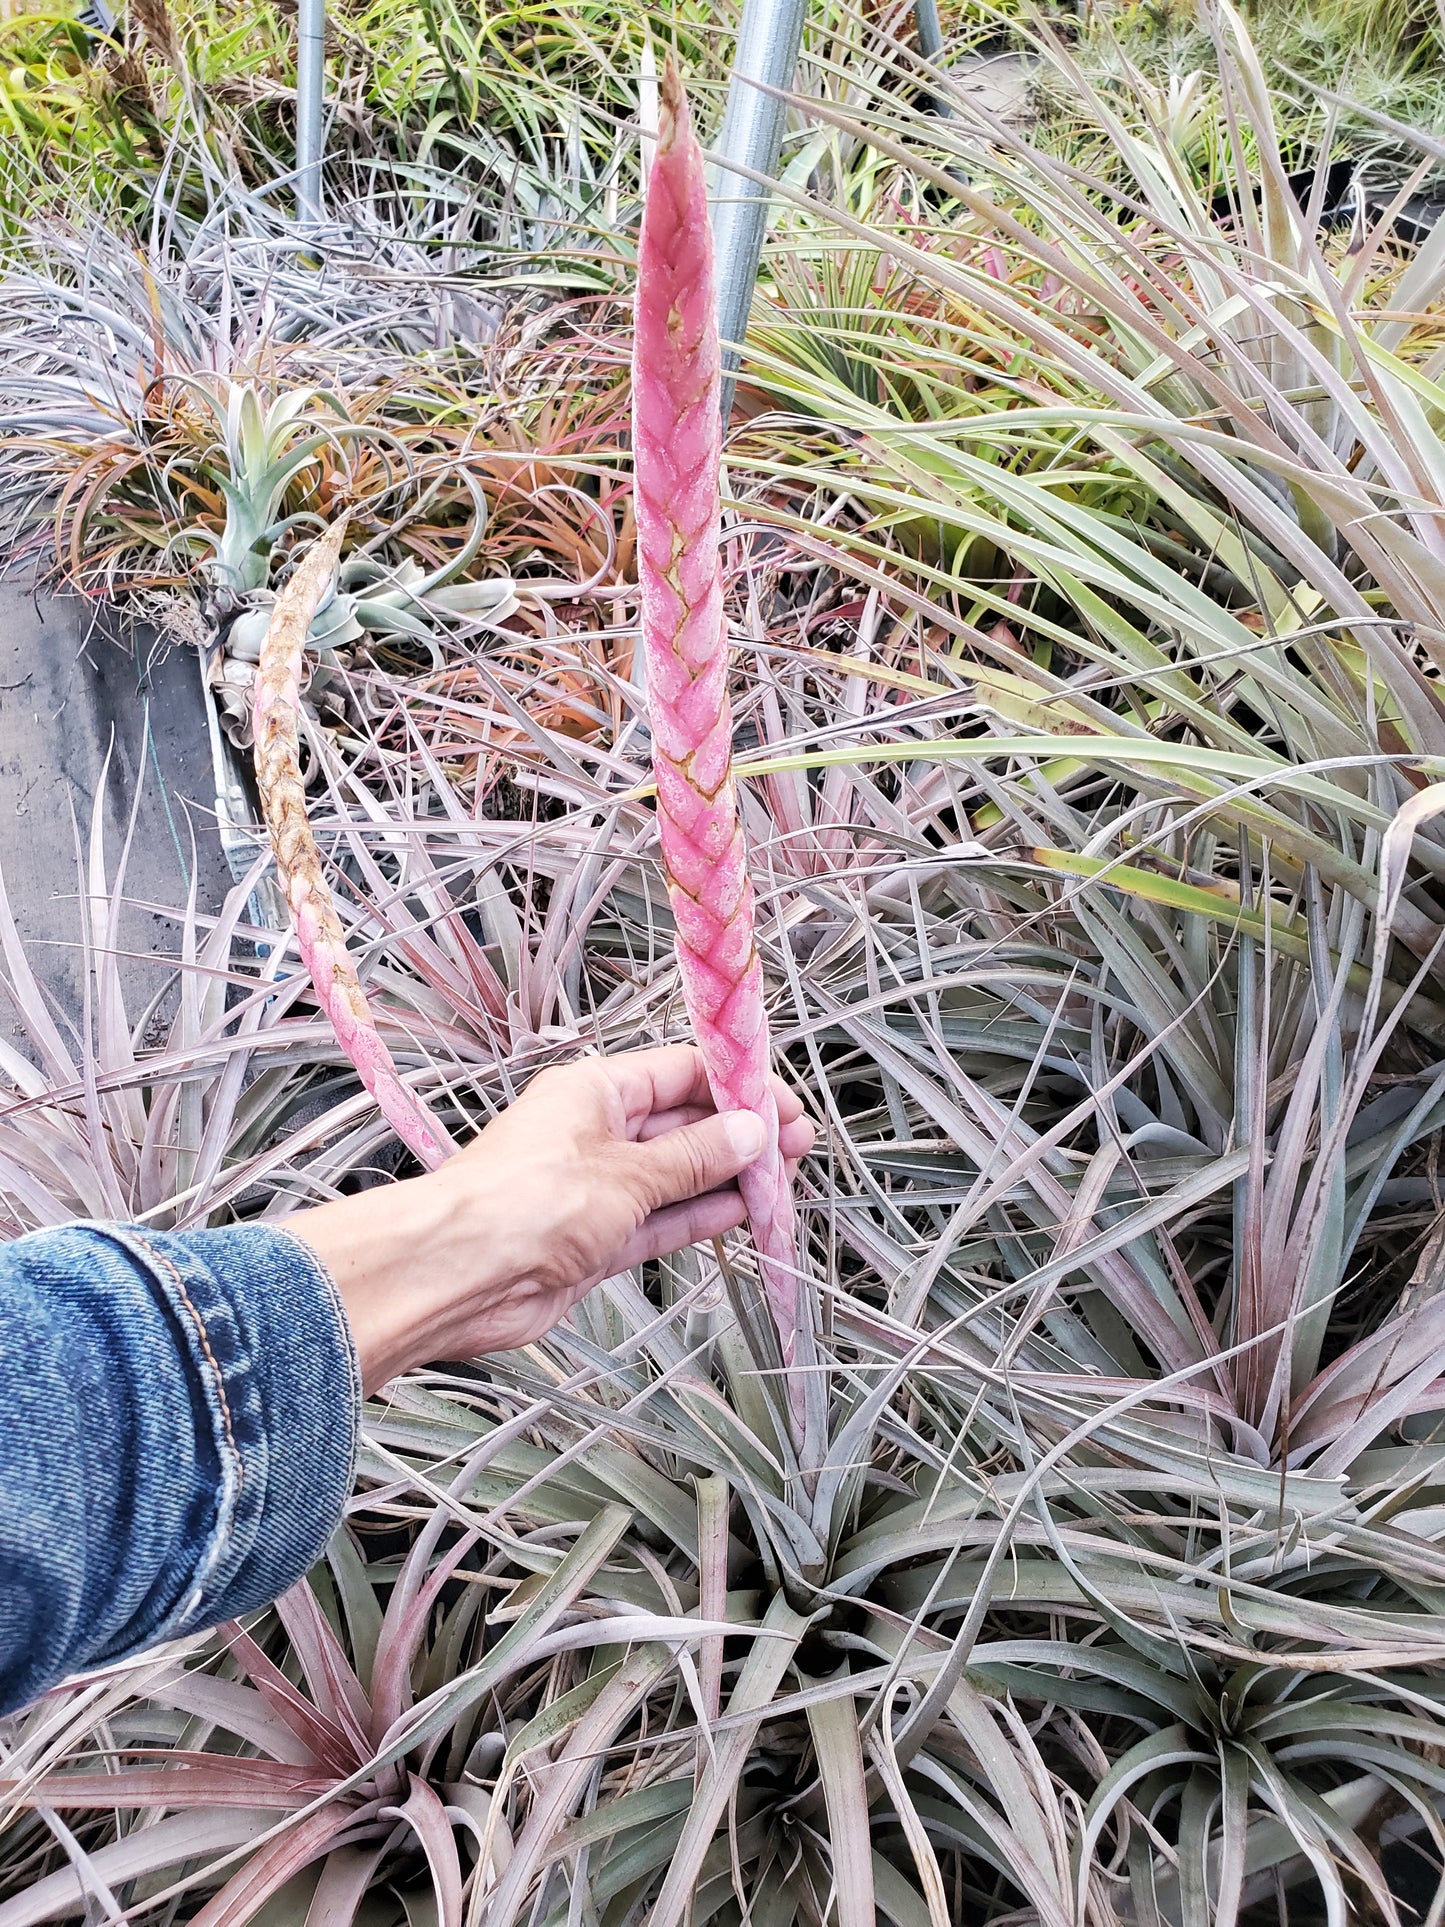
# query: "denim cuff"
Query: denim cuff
276,1387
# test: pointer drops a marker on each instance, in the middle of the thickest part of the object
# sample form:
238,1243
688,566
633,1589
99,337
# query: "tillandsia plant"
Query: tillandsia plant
677,446
1091,599
319,936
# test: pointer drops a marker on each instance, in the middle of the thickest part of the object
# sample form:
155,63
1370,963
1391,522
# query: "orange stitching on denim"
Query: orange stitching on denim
211,1359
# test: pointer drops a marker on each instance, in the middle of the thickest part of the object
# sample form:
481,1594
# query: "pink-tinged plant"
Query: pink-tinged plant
319,935
676,437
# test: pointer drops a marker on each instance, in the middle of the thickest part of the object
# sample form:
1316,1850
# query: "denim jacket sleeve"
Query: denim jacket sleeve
178,1420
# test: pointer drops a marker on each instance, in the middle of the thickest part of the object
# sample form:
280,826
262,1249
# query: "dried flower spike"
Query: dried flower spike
676,439
319,935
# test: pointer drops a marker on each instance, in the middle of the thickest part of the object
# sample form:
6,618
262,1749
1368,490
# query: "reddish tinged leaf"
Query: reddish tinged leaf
344,1882
407,1613
334,1686
236,1709
1368,1387
426,1816
327,1741
277,1862
192,1780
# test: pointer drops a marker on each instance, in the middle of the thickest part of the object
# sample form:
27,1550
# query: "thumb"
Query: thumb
684,1163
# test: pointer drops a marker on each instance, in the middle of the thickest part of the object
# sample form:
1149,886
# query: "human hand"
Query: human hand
598,1166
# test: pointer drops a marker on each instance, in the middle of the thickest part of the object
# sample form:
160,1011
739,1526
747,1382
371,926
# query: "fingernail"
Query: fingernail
745,1133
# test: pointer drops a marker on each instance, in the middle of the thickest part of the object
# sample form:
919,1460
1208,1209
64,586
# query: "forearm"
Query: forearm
412,1263
177,1426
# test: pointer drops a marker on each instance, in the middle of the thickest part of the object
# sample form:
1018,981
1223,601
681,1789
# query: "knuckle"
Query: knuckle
634,1176
695,1160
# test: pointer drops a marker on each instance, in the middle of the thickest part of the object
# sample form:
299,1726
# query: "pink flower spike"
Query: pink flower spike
677,450
319,936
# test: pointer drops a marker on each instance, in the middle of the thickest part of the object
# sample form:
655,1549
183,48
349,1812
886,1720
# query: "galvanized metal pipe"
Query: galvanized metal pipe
928,36
927,29
769,36
310,83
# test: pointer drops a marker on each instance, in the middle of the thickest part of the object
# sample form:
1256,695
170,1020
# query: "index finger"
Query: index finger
673,1077
790,1105
667,1078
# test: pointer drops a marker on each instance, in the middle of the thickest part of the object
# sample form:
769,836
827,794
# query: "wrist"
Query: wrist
413,1264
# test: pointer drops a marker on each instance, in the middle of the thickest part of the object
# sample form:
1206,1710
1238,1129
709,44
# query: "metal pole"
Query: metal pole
929,35
769,36
927,29
310,79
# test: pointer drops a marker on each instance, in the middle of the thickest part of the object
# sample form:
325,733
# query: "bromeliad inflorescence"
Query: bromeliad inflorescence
319,936
676,434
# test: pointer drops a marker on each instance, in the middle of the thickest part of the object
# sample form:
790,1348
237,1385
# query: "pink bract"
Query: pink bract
677,446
